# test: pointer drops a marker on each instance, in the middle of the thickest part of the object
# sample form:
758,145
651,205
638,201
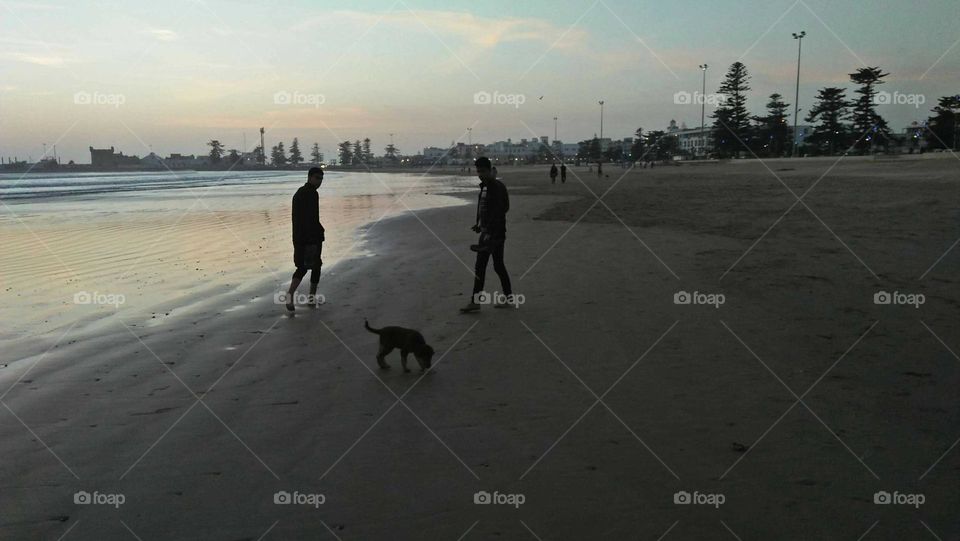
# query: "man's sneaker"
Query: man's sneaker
470,307
290,307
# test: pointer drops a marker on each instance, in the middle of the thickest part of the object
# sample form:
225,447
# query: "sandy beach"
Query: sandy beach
782,393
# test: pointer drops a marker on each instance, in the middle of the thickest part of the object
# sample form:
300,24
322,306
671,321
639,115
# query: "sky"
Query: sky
170,76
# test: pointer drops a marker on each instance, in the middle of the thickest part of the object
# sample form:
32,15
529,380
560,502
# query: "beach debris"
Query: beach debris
739,447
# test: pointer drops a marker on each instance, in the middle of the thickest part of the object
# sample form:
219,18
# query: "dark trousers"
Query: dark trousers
480,271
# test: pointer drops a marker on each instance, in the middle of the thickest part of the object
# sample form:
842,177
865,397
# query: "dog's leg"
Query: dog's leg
403,359
384,351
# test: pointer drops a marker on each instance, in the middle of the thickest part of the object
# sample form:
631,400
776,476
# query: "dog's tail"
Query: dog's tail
369,328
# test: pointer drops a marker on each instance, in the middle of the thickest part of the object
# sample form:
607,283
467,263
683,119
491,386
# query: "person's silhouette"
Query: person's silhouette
493,203
553,173
308,236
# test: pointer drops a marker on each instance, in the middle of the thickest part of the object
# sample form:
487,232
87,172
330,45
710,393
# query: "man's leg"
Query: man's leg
315,276
501,269
479,275
294,284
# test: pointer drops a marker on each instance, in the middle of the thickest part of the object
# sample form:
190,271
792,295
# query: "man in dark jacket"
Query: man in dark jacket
492,206
307,236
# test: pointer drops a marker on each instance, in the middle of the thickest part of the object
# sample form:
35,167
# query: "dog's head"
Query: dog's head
425,355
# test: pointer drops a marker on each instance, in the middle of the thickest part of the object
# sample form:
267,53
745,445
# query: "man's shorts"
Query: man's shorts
307,256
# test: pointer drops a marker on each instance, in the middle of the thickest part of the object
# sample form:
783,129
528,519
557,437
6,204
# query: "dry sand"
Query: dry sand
597,400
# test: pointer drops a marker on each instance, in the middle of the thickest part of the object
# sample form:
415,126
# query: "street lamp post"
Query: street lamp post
601,119
703,110
796,101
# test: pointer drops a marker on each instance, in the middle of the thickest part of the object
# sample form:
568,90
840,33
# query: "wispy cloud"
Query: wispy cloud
163,34
475,30
35,58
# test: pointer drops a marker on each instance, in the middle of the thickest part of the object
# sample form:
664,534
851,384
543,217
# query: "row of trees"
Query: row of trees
279,156
359,153
842,124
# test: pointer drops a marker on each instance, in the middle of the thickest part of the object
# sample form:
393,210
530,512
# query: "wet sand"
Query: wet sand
797,399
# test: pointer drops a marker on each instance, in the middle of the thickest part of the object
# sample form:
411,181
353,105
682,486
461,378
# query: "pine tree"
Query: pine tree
869,128
944,126
732,130
390,153
315,155
775,134
367,154
357,152
278,156
216,151
832,108
637,150
344,153
296,158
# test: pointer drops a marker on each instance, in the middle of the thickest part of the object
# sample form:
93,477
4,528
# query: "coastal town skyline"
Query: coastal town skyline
497,72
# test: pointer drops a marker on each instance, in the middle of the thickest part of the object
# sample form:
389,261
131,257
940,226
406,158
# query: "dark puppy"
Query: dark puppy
407,341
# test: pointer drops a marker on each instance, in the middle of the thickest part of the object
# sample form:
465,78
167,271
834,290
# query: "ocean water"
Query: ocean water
81,248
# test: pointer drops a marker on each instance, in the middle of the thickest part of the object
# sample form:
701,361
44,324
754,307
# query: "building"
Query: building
109,158
510,152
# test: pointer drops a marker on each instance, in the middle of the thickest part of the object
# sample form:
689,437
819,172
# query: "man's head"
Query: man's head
484,168
315,176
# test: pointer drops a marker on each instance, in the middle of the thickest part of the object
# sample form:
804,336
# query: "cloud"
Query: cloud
37,59
477,31
163,34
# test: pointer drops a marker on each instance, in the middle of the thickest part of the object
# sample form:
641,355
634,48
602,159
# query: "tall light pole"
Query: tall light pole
796,99
601,119
554,129
703,109
470,136
263,150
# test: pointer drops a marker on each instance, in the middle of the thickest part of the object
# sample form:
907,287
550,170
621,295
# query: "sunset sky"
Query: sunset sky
173,75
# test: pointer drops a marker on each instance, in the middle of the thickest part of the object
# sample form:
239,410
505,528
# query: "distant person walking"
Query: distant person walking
308,236
553,173
599,169
563,173
493,203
